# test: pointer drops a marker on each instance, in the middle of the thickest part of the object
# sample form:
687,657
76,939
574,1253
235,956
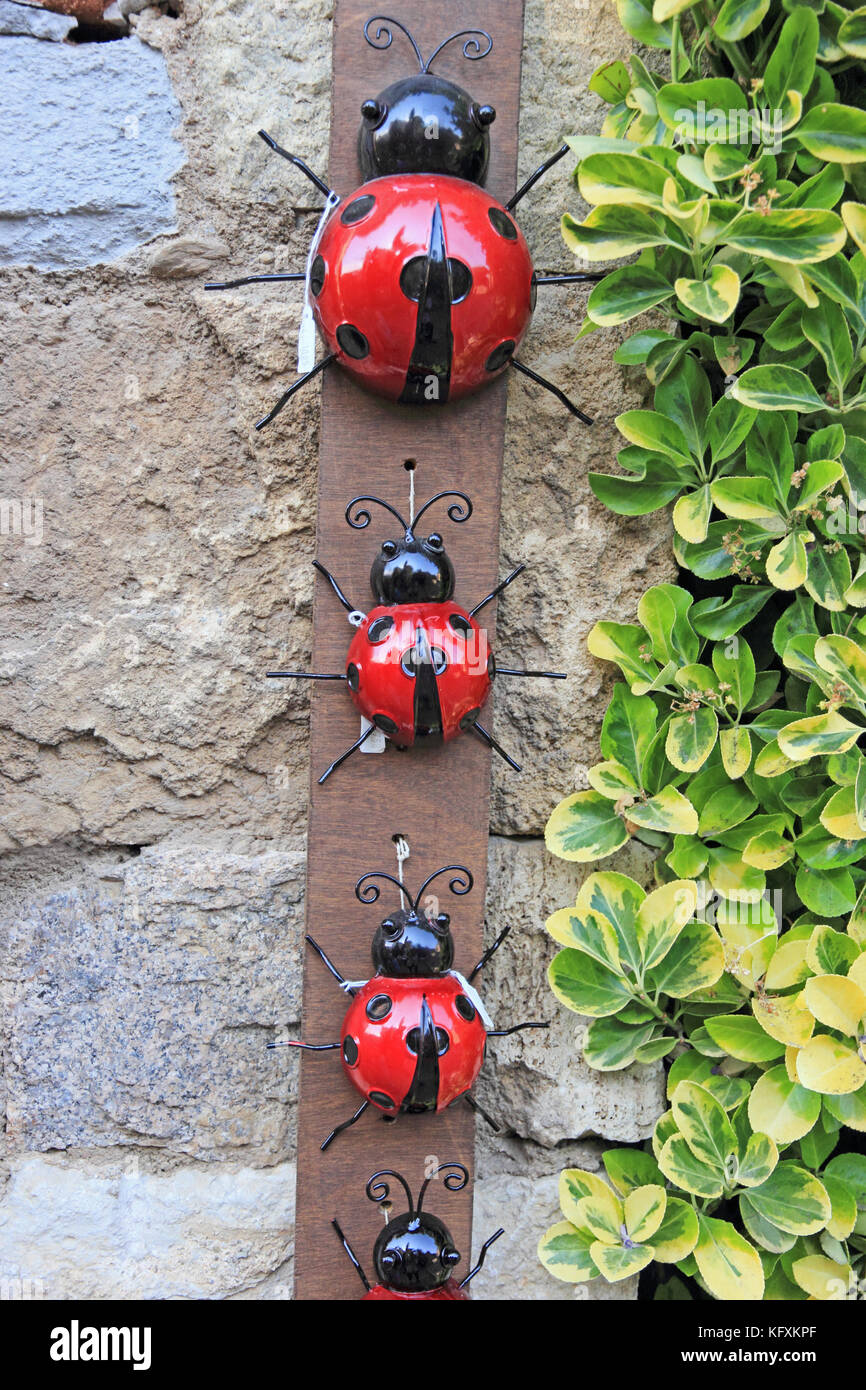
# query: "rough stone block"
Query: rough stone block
35,22
536,1082
525,1201
139,999
115,1230
86,151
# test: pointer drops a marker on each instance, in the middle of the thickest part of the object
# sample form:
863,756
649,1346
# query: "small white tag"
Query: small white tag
376,742
307,329
307,341
473,994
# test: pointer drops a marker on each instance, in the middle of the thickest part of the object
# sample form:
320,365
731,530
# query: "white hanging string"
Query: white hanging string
411,495
307,326
402,849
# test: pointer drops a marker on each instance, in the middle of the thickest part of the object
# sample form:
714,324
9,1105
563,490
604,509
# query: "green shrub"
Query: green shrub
732,745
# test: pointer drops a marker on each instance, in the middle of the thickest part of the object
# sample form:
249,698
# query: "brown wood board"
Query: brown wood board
437,799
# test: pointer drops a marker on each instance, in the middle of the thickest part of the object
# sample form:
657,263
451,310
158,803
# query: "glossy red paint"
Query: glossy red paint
383,685
362,265
384,1064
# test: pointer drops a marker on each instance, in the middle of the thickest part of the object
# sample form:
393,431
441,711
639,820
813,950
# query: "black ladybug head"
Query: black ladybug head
409,944
415,1253
414,942
424,124
413,569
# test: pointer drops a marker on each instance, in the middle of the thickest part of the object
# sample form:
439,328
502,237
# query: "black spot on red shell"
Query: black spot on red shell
358,209
353,676
502,223
380,1098
413,1041
465,1007
500,355
317,275
385,723
414,274
379,1007
379,629
352,341
350,1050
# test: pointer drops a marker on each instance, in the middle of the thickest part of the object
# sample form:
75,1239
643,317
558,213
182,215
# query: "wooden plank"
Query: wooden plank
438,800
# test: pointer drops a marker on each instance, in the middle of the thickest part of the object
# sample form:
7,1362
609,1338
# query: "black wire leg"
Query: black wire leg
494,593
482,733
482,1254
357,1263
307,1047
489,952
549,675
348,753
301,676
549,386
533,178
346,1124
298,163
477,1110
571,277
518,1027
349,607
326,961
296,386
255,280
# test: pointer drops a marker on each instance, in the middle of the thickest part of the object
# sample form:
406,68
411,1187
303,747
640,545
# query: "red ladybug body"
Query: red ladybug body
420,282
382,1041
414,1035
422,287
418,665
418,670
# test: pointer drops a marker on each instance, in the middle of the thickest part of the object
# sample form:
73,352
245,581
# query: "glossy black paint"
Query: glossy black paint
425,124
427,709
434,342
415,1254
412,571
415,569
424,1091
408,945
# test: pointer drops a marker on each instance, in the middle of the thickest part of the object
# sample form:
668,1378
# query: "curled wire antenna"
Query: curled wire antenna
362,517
359,519
471,48
456,511
368,892
455,1180
461,884
379,1191
383,37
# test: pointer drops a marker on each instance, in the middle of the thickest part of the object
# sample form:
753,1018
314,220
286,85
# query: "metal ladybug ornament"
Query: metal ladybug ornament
414,1256
419,282
418,667
414,1036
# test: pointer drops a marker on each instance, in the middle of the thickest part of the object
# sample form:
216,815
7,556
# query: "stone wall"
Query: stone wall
155,560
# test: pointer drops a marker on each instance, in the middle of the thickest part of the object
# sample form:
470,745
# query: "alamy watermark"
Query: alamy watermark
846,516
712,125
22,517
